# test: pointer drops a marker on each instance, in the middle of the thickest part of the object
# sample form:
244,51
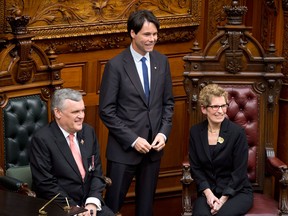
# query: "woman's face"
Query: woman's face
216,111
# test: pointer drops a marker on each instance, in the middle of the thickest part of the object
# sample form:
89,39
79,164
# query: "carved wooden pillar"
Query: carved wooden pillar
283,101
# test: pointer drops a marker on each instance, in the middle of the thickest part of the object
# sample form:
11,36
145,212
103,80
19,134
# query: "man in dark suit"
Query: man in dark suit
138,113
54,169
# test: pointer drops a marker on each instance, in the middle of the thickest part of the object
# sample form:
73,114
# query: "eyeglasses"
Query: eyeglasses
217,107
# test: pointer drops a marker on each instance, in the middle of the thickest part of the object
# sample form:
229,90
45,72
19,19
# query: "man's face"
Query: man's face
145,39
71,117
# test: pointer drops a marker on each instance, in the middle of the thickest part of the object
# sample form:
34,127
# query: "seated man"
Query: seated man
56,170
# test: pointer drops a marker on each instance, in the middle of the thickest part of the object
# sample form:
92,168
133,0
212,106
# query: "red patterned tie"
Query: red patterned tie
77,155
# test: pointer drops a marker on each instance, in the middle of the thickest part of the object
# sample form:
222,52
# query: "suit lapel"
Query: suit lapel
63,146
204,140
154,68
224,136
131,70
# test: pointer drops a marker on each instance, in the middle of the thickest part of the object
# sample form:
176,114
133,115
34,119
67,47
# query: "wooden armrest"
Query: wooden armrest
186,181
12,184
186,175
279,169
274,165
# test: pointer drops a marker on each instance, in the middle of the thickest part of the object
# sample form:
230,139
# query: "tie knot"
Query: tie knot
71,136
143,59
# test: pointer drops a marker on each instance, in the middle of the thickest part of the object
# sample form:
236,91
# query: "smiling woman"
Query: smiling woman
221,179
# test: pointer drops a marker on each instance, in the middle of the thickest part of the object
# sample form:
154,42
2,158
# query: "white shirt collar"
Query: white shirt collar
137,57
65,133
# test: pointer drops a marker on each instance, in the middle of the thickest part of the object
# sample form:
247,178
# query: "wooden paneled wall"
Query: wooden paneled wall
86,34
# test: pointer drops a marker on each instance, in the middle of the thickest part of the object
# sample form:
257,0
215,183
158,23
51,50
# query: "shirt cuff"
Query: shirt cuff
165,138
133,144
95,201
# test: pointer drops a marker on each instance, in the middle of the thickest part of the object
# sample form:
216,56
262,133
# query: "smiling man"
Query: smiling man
136,105
65,157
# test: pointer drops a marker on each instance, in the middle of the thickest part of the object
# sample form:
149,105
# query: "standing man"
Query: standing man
138,113
54,164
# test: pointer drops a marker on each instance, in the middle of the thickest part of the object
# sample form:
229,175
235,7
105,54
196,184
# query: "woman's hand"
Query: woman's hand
218,205
211,198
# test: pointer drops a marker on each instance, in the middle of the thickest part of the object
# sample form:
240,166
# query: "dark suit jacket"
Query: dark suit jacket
226,172
125,111
54,169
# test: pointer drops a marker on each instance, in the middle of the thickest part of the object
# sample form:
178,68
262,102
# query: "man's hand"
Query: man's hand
142,145
89,207
159,142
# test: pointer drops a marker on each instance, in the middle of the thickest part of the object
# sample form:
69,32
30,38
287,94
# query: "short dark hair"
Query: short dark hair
137,19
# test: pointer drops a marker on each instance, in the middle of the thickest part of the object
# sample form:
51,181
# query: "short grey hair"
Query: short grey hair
61,95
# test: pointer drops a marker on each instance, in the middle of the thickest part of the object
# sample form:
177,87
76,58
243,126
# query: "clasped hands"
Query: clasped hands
144,147
214,203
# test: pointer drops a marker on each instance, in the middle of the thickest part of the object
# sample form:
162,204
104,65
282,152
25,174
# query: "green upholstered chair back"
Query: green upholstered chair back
22,116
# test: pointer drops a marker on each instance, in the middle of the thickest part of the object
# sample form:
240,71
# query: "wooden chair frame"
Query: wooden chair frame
235,58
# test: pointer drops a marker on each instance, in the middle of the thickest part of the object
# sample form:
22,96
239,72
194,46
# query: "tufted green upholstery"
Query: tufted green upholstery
22,117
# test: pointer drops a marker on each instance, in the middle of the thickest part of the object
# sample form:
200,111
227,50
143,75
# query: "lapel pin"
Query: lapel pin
220,140
82,141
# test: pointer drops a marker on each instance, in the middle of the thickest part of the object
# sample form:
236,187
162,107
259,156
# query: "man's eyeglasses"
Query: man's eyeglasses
217,107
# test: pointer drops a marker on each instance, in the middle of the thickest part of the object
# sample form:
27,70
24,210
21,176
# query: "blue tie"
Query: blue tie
145,77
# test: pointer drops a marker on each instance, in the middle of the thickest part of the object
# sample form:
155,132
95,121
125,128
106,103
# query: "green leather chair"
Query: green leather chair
22,116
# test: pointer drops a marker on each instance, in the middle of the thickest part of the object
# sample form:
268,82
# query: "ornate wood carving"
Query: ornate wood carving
215,17
111,41
23,62
61,19
269,22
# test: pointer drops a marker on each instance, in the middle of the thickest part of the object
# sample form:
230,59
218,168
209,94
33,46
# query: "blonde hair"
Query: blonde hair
209,91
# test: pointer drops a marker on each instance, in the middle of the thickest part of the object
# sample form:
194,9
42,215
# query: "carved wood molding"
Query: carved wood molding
54,19
111,41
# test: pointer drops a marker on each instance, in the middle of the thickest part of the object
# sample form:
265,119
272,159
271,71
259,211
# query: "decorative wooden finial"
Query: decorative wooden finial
235,13
18,23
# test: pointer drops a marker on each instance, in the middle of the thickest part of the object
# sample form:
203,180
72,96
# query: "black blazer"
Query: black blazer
54,169
225,172
125,111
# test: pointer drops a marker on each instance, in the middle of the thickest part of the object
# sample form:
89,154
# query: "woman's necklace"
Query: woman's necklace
213,132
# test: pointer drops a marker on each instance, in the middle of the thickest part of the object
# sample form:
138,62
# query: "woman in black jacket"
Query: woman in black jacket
218,153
